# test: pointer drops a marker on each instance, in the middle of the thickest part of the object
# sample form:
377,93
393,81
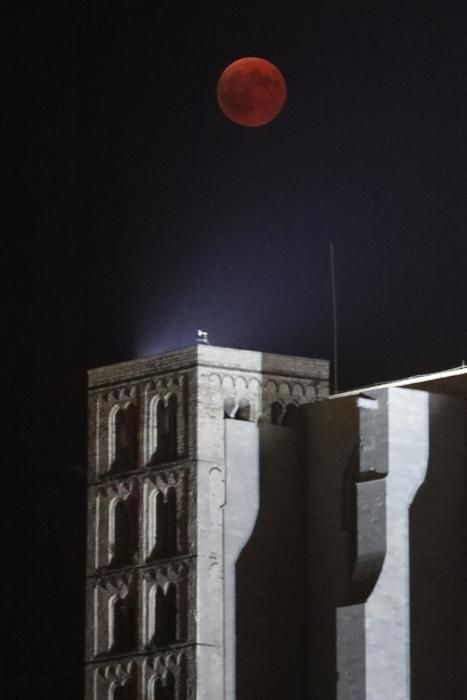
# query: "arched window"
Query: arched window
164,446
161,526
169,686
290,416
162,689
172,427
165,615
122,625
183,679
276,413
156,689
243,411
171,506
122,532
127,691
124,439
119,693
229,407
163,517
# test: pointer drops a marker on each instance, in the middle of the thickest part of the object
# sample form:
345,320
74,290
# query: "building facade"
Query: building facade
386,536
168,518
250,536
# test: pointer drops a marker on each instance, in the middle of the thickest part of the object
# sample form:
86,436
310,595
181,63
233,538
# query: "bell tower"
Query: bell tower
164,514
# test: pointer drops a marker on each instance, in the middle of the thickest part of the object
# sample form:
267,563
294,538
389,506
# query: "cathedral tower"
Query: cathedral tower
162,541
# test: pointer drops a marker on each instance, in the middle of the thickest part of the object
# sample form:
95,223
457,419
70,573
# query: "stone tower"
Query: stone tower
174,496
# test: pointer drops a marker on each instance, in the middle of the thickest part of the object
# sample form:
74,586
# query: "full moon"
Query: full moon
251,91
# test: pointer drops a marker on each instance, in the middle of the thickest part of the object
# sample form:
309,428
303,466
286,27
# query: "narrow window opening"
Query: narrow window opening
166,420
166,616
182,679
123,625
171,505
125,692
166,524
125,431
290,416
160,549
169,687
243,411
157,690
172,427
123,547
229,407
276,413
163,689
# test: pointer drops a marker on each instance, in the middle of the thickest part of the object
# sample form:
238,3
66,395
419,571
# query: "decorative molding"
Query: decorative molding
166,573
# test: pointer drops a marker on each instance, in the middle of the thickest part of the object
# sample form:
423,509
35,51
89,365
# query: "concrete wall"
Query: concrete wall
265,571
345,538
438,559
387,520
226,380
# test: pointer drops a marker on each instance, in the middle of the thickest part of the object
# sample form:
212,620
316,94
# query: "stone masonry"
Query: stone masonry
250,537
157,542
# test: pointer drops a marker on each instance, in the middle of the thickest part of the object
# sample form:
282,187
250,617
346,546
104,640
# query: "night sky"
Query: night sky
143,214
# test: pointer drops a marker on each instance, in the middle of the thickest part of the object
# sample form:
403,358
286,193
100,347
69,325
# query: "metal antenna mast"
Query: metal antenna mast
334,312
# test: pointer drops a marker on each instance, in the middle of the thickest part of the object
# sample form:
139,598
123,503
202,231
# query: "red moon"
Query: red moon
251,91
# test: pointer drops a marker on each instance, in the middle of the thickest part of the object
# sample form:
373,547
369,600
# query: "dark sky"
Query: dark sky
143,214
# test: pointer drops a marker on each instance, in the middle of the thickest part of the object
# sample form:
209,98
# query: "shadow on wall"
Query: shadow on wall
438,560
346,512
271,578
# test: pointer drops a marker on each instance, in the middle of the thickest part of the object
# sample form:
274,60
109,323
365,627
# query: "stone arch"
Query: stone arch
165,614
182,606
151,629
312,391
230,407
163,522
171,513
163,428
241,384
298,391
122,624
122,531
172,426
166,611
124,685
162,687
276,412
215,379
124,691
170,686
155,689
152,425
228,382
123,438
182,691
243,411
110,619
152,528
271,387
254,385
